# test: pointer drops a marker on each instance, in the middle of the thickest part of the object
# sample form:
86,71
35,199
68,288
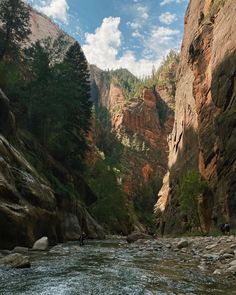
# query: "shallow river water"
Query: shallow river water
113,267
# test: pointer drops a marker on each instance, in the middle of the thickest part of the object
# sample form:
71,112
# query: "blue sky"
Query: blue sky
133,34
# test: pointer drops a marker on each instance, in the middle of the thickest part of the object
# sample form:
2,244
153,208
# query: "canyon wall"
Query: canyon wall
203,136
29,206
140,126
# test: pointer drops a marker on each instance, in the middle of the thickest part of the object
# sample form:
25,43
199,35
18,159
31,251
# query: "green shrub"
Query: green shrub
110,208
193,186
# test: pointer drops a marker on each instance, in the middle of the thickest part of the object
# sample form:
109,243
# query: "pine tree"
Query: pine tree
14,16
76,84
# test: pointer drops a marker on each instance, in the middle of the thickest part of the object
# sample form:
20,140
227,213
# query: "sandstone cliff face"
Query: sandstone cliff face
204,131
42,27
29,207
141,126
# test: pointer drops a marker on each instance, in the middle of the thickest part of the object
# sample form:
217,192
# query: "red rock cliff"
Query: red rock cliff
141,126
204,132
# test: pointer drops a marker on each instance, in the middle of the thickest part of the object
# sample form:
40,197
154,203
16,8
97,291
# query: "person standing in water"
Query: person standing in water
82,238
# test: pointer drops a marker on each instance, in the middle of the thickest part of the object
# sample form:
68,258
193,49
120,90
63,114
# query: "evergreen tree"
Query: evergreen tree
73,83
14,16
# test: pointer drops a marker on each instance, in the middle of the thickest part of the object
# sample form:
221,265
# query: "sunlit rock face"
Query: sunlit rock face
141,125
42,27
203,135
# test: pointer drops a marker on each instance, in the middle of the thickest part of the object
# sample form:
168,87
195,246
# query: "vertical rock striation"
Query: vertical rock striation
203,136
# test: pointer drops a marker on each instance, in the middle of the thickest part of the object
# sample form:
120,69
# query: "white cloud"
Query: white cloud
136,34
165,2
161,40
134,25
102,48
167,18
142,12
57,9
162,35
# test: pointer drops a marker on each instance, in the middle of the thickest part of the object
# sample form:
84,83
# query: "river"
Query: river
113,267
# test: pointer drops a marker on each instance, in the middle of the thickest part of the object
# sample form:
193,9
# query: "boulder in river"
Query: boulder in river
15,260
182,244
133,237
231,269
41,244
21,250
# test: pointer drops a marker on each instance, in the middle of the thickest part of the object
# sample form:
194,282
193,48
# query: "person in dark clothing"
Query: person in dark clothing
82,238
225,228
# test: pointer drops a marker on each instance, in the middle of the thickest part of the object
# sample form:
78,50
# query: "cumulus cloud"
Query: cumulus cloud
103,48
167,18
57,9
165,2
134,25
163,35
142,11
161,40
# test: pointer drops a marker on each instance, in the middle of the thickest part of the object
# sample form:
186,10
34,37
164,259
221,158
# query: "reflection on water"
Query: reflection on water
113,267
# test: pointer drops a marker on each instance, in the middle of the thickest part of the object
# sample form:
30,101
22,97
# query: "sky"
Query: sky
132,34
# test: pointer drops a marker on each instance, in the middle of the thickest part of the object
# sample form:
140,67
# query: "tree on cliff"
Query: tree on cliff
73,82
14,16
193,187
57,99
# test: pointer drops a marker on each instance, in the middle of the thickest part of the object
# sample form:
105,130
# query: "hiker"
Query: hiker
225,228
82,238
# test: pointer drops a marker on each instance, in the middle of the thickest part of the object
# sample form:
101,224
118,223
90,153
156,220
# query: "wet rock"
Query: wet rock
41,244
231,269
5,252
226,256
217,272
210,256
182,244
209,247
135,236
233,246
232,263
15,260
227,251
59,250
21,250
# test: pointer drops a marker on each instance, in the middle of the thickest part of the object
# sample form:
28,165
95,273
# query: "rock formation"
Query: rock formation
203,136
29,207
140,125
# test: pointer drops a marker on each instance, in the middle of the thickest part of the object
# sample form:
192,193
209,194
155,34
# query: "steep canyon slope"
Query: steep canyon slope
204,132
133,132
38,195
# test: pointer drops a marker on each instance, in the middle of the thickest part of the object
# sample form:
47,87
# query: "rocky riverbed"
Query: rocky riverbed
199,265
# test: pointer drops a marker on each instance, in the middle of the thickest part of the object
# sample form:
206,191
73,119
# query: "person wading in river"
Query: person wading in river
82,238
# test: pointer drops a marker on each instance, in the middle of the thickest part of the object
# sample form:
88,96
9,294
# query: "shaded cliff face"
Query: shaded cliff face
203,136
139,127
38,196
29,206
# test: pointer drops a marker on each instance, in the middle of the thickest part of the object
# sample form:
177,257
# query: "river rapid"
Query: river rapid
114,267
